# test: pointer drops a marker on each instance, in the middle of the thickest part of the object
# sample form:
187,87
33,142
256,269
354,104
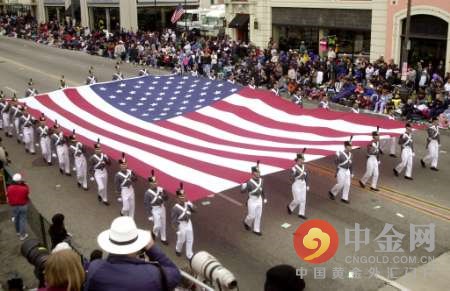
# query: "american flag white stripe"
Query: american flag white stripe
211,149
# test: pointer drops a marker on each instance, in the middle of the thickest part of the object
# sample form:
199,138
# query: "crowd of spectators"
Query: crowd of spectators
296,73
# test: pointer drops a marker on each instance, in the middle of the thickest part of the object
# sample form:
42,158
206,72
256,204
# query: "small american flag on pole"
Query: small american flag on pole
179,11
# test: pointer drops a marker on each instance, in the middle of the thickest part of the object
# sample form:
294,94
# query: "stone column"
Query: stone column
128,15
84,11
108,20
40,11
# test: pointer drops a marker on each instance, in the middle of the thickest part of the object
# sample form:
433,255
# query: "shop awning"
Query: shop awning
239,21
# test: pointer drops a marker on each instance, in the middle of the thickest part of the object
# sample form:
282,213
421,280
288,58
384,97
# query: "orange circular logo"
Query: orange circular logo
316,241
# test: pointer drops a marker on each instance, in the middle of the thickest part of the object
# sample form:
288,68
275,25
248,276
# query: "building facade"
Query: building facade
369,27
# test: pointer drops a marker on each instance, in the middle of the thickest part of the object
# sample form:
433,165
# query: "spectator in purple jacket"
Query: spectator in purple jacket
123,269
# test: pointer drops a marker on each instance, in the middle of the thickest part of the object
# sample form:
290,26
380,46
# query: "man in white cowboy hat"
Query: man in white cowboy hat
181,219
124,180
254,188
344,173
154,199
18,198
299,187
122,269
99,162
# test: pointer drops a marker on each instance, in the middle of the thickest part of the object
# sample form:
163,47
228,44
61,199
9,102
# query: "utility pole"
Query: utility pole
405,48
185,21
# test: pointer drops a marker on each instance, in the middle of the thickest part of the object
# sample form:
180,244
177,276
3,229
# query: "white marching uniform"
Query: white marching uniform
433,142
98,165
255,192
124,185
373,160
181,217
80,164
406,143
15,115
6,118
393,146
344,174
26,123
45,143
299,189
154,204
62,151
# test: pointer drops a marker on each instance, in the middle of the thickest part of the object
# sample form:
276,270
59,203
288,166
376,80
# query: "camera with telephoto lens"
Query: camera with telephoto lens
36,254
210,269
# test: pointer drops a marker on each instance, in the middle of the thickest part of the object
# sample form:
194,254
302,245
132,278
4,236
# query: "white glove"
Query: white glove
379,162
150,218
413,154
353,175
307,188
265,201
92,179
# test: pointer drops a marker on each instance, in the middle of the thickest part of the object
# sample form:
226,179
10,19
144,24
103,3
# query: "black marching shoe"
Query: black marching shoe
257,233
362,184
49,163
434,169
61,171
422,163
392,155
79,184
165,242
246,226
85,188
374,189
408,178
345,201
178,253
396,173
288,209
302,216
99,198
105,203
331,196
68,174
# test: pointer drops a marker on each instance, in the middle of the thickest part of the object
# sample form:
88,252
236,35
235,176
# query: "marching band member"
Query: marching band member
31,91
80,161
299,186
433,142
44,140
99,161
181,219
344,172
62,151
91,79
26,123
154,199
407,145
124,180
256,197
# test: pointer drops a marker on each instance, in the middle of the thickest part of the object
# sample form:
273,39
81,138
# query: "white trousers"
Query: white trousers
28,138
407,161
81,169
343,183
159,220
6,124
393,146
432,153
127,194
254,208
101,177
371,171
17,128
46,149
299,196
185,234
63,158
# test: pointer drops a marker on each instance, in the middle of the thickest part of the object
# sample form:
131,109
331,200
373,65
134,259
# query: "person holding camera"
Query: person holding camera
123,269
181,218
57,230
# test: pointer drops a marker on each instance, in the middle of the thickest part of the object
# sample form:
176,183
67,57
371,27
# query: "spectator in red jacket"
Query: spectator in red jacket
18,198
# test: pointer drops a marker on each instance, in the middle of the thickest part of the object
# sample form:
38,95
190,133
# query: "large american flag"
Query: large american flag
207,134
177,13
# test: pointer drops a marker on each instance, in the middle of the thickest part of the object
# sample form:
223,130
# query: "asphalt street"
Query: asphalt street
218,225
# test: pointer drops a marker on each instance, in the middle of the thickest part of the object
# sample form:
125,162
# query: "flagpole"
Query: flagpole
185,21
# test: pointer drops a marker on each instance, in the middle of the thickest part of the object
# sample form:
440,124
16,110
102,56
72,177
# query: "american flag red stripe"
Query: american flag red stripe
179,11
210,149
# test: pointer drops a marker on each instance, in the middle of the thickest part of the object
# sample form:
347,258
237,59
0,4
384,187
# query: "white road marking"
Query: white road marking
234,201
10,89
377,207
392,283
400,215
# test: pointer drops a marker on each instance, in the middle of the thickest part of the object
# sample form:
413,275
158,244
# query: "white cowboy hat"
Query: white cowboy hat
123,237
17,177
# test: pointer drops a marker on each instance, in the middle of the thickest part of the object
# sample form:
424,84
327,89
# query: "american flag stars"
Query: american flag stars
154,98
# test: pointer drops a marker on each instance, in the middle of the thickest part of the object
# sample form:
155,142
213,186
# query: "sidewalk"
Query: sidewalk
10,257
431,276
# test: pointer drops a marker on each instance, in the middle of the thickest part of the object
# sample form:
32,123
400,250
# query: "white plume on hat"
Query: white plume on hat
17,177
